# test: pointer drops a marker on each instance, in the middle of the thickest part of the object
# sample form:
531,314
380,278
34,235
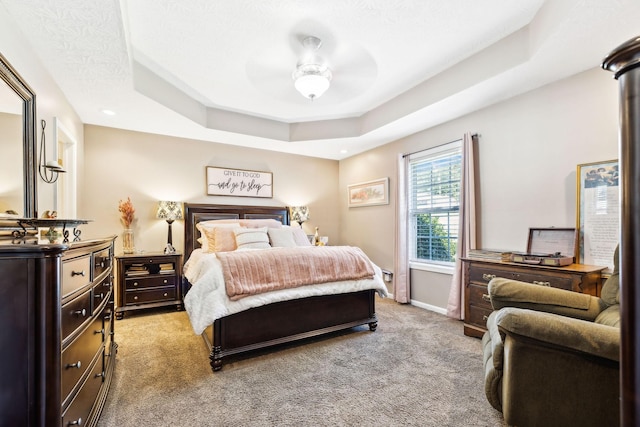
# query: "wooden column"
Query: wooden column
624,61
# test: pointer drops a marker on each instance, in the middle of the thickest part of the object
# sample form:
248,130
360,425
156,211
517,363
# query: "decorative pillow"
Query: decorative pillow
202,225
252,238
259,223
281,237
300,237
220,239
204,243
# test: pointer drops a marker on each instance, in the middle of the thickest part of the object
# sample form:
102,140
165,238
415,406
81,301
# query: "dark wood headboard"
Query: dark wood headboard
195,213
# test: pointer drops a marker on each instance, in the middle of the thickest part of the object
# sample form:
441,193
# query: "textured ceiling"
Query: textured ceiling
221,70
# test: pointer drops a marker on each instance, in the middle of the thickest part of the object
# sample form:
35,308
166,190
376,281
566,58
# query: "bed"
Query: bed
311,311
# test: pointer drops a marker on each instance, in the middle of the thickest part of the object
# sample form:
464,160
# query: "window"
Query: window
434,203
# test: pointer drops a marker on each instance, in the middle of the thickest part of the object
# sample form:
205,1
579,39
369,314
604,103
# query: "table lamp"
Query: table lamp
169,211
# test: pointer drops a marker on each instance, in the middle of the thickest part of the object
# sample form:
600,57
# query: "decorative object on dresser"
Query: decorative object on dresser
478,272
169,211
48,170
148,280
58,299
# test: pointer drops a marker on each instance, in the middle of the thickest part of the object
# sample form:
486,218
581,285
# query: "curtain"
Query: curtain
467,226
401,282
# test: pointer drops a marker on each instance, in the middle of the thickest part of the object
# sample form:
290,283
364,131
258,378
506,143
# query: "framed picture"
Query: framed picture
236,182
598,205
369,193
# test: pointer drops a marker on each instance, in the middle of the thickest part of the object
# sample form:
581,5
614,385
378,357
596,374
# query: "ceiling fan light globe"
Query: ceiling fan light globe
311,86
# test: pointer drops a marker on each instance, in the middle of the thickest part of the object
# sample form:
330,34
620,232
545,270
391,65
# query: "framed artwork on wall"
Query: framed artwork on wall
369,193
236,182
597,212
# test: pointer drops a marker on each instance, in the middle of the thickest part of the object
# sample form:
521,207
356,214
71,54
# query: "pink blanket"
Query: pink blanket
253,272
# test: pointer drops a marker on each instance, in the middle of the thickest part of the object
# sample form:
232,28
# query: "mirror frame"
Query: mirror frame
11,77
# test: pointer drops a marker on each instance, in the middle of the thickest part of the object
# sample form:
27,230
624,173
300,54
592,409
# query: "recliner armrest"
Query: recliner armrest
513,293
565,332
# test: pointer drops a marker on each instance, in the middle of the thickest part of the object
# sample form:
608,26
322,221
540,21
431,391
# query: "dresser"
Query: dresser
477,274
148,280
56,308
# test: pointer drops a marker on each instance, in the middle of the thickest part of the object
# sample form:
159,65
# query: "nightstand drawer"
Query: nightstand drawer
150,295
76,273
149,282
478,315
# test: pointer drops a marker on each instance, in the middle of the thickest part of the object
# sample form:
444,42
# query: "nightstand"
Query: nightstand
148,280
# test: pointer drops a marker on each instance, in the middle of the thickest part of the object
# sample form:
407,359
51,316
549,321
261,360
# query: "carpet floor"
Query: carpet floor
417,369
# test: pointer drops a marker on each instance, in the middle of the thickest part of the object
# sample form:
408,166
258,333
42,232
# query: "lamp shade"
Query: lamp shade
312,85
169,210
299,214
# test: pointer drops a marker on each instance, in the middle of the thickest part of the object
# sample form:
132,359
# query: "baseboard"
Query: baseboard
429,307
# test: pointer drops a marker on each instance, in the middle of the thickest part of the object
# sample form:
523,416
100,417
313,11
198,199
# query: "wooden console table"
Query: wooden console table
478,272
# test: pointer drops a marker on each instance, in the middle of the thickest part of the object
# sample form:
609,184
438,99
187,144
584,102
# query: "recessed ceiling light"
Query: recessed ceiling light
108,112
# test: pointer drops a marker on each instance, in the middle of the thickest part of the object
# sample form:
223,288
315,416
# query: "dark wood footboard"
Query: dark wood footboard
288,321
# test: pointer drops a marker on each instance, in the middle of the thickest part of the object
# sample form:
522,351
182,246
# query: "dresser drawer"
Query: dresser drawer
479,296
101,293
483,274
149,282
477,315
150,295
79,354
76,273
75,313
77,413
101,262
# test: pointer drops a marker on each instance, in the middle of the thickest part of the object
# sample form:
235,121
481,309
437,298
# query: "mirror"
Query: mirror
18,111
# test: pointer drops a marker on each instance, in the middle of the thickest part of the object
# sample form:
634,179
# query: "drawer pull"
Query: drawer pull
485,318
77,422
486,298
135,283
536,282
99,296
78,365
77,273
82,312
165,294
488,277
99,331
135,298
101,264
165,281
100,375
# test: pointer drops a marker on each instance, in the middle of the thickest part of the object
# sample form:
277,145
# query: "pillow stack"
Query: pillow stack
231,235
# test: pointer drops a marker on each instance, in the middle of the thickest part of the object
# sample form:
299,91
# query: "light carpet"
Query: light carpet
417,369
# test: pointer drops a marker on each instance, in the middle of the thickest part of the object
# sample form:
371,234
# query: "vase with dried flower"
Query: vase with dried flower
126,216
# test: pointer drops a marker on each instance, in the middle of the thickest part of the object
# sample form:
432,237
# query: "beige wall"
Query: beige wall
149,168
528,151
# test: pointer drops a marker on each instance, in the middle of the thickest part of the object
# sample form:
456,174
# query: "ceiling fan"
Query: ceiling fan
342,70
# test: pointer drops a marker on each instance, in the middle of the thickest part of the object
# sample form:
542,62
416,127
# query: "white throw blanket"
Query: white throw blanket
207,299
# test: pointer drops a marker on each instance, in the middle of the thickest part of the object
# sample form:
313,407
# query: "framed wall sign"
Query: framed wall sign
598,206
369,193
236,182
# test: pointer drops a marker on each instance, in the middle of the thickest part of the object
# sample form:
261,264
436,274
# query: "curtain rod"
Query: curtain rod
475,135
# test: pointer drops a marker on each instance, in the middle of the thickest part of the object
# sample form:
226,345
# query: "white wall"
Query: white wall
528,152
148,168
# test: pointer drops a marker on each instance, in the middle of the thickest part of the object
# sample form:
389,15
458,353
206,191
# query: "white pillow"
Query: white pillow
300,237
281,237
252,238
